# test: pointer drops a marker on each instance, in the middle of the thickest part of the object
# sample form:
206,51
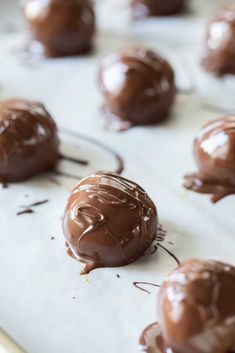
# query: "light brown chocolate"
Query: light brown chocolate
109,221
196,310
138,87
60,27
220,42
214,151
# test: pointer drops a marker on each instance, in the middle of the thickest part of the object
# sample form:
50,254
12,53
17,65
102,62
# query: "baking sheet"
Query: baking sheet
44,303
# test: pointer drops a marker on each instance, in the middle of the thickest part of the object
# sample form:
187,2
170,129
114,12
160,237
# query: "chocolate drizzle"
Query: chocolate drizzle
109,221
137,285
192,182
74,160
170,253
38,203
120,163
26,211
161,233
214,150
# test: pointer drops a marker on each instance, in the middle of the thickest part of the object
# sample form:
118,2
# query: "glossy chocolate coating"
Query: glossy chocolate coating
151,340
28,140
109,221
196,311
60,27
145,8
214,151
196,308
138,87
220,42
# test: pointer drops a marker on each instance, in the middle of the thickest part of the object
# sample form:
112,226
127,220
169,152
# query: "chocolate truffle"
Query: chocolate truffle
196,310
138,87
145,8
109,221
60,27
28,140
220,42
214,151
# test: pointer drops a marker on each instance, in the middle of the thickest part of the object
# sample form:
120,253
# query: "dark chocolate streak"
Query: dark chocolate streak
38,203
26,211
170,253
74,160
137,285
154,250
161,233
120,163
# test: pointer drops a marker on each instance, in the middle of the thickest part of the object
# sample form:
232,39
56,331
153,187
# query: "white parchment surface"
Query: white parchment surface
44,303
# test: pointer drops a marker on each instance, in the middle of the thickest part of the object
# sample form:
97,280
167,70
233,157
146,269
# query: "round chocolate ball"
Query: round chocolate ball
138,87
214,151
109,221
28,140
60,27
220,42
145,8
196,308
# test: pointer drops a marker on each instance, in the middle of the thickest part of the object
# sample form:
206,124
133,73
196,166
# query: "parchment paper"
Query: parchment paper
44,303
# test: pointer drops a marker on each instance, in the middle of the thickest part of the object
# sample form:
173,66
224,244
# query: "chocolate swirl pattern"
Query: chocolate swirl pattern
196,310
138,87
214,151
109,221
28,140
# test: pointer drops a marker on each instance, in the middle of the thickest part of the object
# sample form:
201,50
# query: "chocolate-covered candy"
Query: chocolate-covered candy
220,42
28,140
138,87
109,221
214,151
60,27
145,8
196,310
